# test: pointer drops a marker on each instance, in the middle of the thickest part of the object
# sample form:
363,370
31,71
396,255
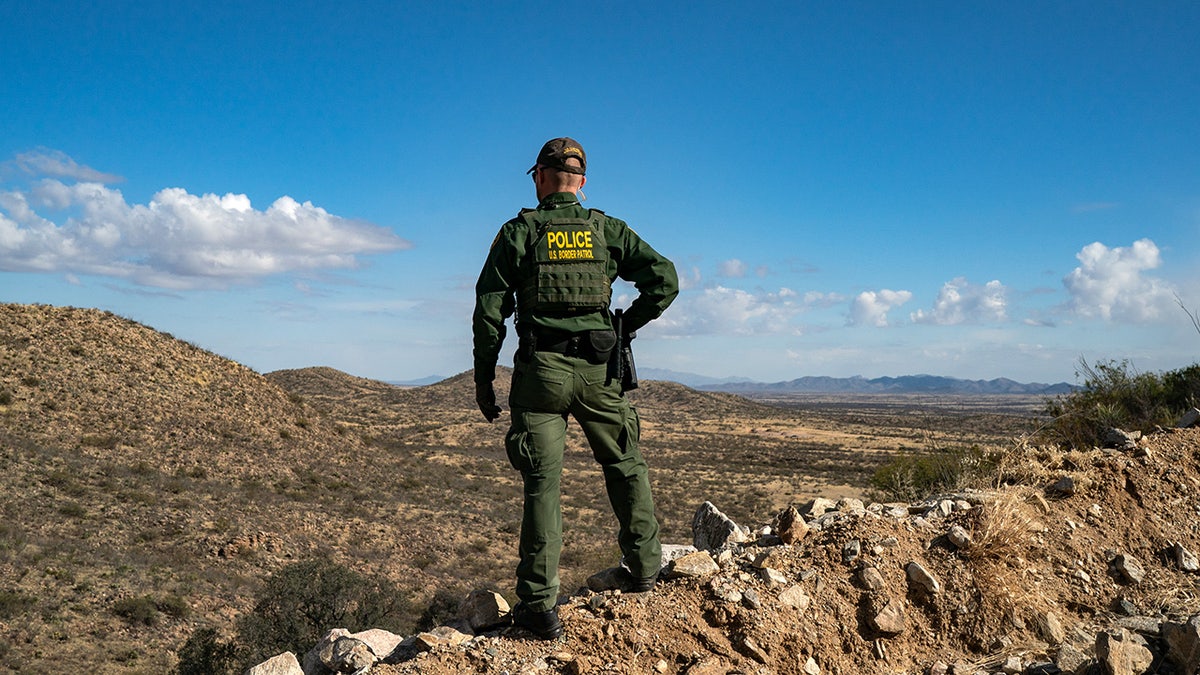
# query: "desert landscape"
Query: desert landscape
155,490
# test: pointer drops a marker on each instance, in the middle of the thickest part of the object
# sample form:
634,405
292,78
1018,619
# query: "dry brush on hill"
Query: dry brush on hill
153,487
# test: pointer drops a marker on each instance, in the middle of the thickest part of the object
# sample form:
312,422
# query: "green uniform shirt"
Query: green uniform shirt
509,262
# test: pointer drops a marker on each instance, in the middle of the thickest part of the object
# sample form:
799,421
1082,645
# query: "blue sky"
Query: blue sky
975,190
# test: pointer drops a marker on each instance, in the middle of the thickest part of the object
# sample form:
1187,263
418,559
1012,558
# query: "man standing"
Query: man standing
554,266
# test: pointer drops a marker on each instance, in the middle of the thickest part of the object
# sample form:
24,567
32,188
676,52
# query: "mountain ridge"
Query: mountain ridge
905,384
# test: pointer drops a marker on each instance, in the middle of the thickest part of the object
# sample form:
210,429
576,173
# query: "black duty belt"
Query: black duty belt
569,344
588,344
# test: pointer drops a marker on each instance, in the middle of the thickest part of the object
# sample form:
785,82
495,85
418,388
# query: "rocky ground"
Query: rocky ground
1080,563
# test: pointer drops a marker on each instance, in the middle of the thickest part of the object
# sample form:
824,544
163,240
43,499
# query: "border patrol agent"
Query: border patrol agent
554,266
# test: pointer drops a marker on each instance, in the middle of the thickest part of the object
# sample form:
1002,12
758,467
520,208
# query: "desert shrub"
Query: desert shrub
443,607
15,603
137,611
173,606
1114,394
915,476
146,610
6,397
73,510
106,441
304,600
205,653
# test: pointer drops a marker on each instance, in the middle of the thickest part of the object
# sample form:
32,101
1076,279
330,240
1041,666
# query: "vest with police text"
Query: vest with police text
570,265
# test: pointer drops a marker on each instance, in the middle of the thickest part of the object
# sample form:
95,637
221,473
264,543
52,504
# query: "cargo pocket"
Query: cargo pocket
631,432
539,388
516,445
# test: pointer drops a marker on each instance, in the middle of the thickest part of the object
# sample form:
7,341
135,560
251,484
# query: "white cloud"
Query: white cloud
960,301
177,240
729,311
689,279
733,268
46,162
823,300
1110,283
870,308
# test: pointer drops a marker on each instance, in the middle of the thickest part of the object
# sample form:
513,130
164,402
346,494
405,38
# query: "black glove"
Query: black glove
485,397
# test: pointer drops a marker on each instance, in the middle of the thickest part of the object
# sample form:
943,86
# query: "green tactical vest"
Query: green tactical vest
570,265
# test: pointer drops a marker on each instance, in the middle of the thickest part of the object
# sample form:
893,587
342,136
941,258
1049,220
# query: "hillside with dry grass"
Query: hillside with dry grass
152,488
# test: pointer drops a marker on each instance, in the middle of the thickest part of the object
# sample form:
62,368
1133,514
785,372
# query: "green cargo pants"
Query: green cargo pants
544,391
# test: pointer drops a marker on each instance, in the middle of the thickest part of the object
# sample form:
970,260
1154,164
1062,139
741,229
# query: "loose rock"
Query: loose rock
1064,487
1120,655
284,664
871,578
711,529
920,578
794,596
1184,558
1129,568
1183,643
792,527
959,536
890,620
698,564
1050,628
482,609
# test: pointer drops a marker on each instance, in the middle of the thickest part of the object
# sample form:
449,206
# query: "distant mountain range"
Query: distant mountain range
907,384
428,379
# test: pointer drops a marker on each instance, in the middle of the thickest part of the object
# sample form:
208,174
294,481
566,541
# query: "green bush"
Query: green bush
1114,394
146,610
304,600
137,611
912,477
205,653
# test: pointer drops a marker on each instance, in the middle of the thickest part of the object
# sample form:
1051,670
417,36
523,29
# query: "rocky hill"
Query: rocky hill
151,487
107,385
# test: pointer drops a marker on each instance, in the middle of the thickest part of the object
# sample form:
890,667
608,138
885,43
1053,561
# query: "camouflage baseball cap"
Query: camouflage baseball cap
555,152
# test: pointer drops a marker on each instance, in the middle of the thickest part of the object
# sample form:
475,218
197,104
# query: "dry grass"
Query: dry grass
1002,550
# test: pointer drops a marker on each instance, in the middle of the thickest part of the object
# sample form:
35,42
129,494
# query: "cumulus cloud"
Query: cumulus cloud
730,311
960,301
1110,283
870,308
178,240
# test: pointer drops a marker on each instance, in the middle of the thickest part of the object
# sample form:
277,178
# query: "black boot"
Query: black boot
544,625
